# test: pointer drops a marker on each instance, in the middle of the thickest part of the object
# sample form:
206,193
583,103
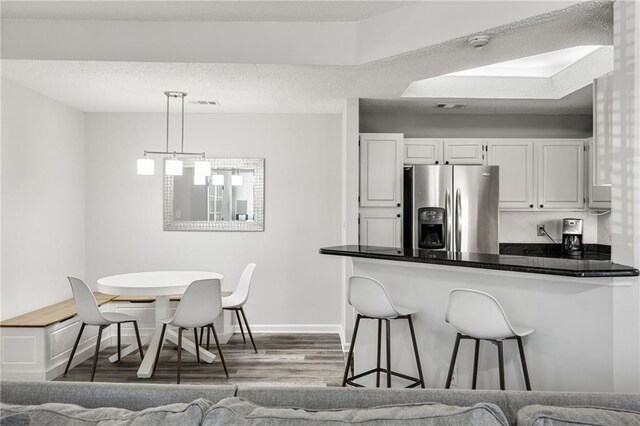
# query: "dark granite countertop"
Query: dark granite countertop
501,262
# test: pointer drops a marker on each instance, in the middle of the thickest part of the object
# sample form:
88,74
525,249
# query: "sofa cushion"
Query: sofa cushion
54,414
237,411
132,396
545,415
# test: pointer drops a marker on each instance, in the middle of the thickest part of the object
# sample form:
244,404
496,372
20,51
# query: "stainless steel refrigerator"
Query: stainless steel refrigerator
453,208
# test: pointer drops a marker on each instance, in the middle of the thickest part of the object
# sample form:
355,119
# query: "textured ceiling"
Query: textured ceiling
127,86
218,11
579,102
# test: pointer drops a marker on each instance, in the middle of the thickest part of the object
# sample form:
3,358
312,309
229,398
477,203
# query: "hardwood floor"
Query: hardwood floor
301,359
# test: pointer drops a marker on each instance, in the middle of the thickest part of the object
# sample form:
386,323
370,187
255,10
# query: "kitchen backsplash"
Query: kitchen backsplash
520,227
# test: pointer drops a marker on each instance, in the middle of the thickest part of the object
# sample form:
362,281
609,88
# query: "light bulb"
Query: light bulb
217,180
199,180
173,167
146,166
202,168
236,180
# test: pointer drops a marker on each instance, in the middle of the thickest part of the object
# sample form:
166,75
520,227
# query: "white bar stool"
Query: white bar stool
478,316
371,301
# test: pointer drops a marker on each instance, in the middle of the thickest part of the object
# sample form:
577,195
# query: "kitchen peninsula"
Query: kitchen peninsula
572,305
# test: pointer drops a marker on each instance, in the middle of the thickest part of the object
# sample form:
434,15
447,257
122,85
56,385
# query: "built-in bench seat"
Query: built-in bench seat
36,345
52,314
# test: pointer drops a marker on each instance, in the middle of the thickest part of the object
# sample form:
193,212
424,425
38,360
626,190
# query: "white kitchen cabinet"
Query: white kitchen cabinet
598,195
516,161
381,227
464,151
381,157
560,173
599,147
423,151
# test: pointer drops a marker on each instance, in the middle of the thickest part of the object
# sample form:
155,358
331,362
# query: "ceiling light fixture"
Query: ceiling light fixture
173,165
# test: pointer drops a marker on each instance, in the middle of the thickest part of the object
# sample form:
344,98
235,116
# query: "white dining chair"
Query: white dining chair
477,315
235,302
371,301
199,306
89,314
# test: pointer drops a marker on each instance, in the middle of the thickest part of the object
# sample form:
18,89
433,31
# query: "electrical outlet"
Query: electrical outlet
454,378
541,231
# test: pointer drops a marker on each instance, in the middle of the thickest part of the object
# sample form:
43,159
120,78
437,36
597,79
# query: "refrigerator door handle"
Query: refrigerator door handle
458,221
449,232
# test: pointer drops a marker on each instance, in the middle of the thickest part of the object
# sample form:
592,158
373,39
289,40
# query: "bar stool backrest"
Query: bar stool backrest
477,314
369,297
86,304
200,305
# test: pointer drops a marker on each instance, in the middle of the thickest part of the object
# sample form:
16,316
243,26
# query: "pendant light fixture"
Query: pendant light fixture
173,164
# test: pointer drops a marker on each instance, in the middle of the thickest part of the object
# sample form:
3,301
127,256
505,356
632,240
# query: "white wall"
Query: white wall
293,284
478,125
42,199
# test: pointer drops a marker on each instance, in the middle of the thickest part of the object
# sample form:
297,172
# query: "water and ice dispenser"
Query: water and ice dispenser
431,228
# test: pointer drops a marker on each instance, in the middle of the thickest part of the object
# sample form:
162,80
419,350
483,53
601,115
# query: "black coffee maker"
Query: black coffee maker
572,245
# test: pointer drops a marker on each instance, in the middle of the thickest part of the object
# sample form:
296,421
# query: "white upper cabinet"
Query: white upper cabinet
381,156
516,161
423,151
463,151
560,173
599,196
599,148
380,227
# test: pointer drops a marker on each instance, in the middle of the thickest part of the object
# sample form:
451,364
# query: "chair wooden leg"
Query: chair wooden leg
415,350
179,352
208,337
452,364
475,364
119,341
73,351
244,316
525,370
155,363
215,337
95,357
500,363
350,355
388,353
195,334
379,352
202,335
244,339
135,327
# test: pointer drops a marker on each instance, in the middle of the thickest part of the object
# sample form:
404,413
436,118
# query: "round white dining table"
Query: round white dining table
160,285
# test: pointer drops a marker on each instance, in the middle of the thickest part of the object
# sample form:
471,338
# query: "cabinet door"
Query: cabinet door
463,151
598,196
560,173
602,129
423,151
515,158
381,169
381,227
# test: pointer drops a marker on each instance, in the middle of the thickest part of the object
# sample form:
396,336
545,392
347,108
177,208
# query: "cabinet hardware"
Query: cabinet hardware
531,205
398,215
541,205
446,162
437,162
398,204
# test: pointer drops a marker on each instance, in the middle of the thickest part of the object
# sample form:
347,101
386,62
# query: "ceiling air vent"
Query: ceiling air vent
204,102
451,106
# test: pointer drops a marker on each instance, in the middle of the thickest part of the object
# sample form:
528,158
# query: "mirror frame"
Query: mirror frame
257,225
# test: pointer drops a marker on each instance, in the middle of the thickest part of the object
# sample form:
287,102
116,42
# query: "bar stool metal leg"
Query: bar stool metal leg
525,370
500,363
415,350
379,352
452,364
388,353
475,364
350,355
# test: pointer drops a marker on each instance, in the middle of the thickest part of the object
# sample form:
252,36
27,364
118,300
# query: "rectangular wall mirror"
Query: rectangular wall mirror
231,199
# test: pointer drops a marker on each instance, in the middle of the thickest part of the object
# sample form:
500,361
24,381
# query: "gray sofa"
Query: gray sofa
138,397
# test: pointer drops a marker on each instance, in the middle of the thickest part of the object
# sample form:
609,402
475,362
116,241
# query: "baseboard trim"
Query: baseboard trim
293,328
